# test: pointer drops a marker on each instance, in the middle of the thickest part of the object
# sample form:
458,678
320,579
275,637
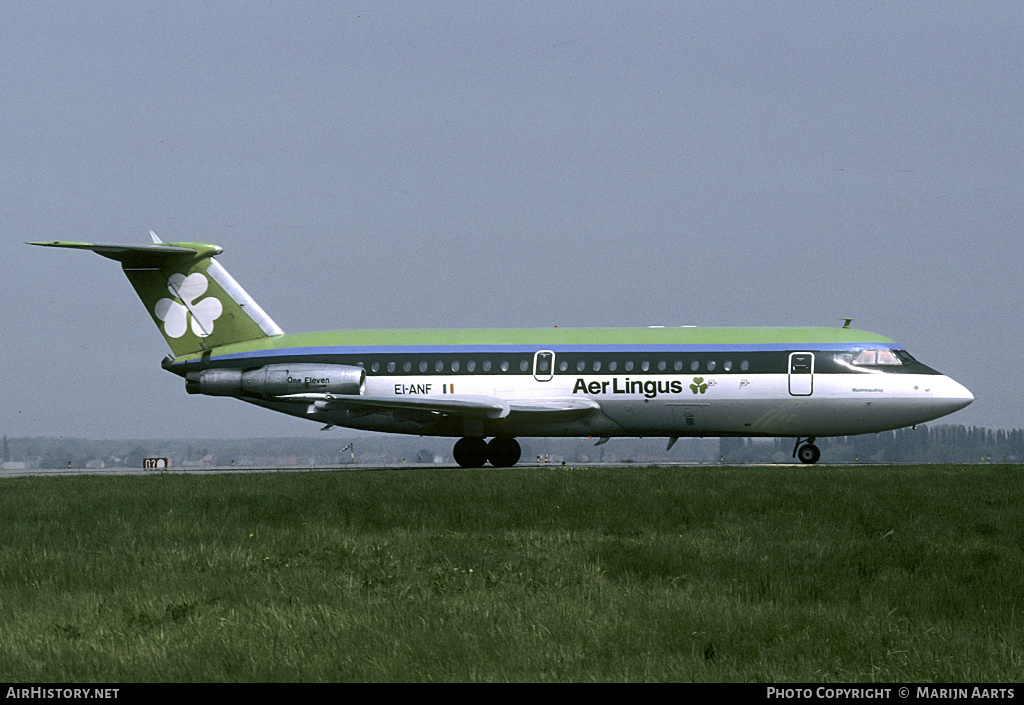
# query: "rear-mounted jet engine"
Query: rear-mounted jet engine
273,381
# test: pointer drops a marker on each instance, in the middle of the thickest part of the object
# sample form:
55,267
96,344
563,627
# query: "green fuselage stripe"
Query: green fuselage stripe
576,351
557,339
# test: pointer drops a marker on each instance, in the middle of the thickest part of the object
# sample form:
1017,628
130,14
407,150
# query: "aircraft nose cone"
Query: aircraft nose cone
952,395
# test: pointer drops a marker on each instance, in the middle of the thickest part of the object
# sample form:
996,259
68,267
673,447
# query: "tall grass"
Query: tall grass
711,574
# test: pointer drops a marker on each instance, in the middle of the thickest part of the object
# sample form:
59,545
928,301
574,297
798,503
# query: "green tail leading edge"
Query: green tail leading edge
475,384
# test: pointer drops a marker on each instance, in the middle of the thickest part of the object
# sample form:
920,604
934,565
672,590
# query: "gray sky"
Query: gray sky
507,164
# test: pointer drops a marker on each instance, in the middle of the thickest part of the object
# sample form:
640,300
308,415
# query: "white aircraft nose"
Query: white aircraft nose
950,395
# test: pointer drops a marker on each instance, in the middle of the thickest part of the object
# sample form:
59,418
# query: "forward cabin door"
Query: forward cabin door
801,374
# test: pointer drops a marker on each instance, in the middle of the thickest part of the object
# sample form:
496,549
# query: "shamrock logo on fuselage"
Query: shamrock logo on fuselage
177,315
699,385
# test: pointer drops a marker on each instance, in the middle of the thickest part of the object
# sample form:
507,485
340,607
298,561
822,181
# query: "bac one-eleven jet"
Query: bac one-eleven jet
501,384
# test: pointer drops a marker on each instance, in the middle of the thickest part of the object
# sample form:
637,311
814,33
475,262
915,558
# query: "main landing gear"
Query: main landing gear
503,452
808,453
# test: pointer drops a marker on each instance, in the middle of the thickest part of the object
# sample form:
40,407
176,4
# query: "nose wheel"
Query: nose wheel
808,453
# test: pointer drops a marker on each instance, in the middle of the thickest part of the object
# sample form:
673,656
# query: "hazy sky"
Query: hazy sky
507,164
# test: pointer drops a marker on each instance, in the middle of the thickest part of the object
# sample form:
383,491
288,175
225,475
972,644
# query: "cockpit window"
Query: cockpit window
886,357
875,357
866,357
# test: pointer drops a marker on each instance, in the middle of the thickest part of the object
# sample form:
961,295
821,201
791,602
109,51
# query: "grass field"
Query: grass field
895,573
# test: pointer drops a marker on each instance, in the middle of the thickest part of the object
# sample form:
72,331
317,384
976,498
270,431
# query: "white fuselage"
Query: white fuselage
675,405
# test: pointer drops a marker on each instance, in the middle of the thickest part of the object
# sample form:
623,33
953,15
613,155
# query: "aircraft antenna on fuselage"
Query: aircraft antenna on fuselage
846,322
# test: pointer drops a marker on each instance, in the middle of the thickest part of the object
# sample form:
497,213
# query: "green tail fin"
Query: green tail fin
193,300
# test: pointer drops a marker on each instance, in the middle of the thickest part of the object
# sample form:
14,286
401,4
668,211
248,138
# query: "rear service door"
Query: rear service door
801,374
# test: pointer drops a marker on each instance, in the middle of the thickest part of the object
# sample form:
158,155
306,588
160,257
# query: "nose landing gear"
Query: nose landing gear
808,453
503,452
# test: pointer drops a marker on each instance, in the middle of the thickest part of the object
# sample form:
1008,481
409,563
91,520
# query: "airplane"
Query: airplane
504,384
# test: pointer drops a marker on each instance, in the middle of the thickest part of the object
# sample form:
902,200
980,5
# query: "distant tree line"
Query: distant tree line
927,444
943,443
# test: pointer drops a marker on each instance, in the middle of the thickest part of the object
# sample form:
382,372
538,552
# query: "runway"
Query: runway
222,470
366,467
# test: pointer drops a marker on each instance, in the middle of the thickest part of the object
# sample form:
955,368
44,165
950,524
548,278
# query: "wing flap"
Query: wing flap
560,405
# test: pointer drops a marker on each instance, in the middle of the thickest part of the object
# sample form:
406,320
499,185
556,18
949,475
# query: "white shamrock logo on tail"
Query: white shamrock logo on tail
175,315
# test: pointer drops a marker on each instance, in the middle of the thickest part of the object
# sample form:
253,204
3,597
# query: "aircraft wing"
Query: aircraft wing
450,405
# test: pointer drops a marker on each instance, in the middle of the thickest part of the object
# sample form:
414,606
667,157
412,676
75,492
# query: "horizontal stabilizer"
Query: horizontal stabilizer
139,255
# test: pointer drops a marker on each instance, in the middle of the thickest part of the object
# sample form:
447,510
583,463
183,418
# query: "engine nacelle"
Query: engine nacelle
278,380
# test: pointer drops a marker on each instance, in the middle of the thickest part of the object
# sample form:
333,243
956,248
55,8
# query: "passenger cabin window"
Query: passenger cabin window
856,359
